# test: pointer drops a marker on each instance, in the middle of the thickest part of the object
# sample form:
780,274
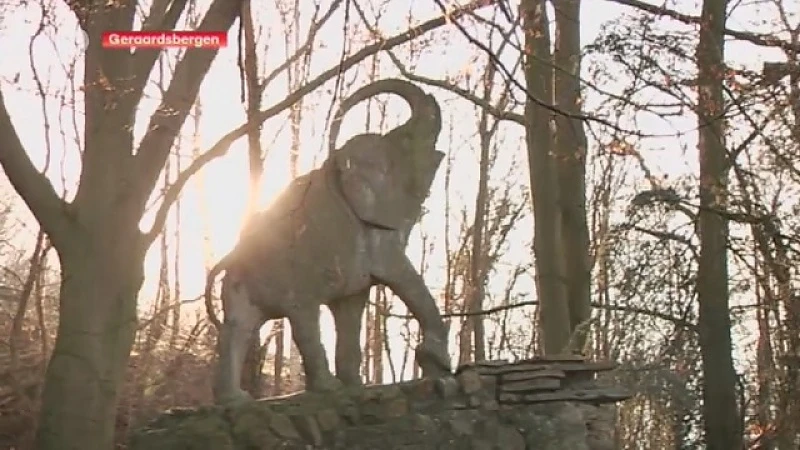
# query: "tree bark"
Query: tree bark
571,162
379,336
101,278
251,369
554,317
764,358
723,428
477,264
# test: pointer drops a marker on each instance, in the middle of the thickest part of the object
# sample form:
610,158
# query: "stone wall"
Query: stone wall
541,404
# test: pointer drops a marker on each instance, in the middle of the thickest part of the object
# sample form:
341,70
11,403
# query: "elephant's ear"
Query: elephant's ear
370,184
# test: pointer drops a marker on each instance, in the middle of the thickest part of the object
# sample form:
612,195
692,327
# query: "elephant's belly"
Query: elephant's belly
282,284
347,273
348,279
307,265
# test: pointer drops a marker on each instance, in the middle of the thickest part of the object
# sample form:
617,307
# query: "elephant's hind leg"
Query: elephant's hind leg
347,312
242,319
306,334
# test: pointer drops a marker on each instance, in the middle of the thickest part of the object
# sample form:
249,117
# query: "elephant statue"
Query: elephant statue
327,238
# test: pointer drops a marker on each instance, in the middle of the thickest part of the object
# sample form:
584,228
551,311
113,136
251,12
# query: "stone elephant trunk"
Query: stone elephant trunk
326,240
425,122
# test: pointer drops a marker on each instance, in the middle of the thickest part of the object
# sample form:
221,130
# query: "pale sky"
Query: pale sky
225,179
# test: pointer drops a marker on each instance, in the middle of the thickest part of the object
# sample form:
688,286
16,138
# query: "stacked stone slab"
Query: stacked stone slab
545,379
539,404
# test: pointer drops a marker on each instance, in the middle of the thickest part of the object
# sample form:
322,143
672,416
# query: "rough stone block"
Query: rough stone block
461,425
509,438
481,444
531,385
328,420
350,414
470,381
282,426
474,401
308,428
532,374
397,407
447,387
490,404
423,389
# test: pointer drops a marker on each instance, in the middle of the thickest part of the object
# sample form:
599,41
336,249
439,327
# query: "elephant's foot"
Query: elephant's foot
233,397
324,382
433,358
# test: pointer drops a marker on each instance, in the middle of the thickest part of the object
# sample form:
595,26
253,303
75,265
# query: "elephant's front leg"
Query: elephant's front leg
347,312
306,334
399,274
242,319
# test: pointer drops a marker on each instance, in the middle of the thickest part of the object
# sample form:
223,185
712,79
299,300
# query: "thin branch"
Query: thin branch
512,80
34,188
498,113
182,91
494,110
81,10
34,270
160,18
305,48
677,321
762,40
220,148
157,12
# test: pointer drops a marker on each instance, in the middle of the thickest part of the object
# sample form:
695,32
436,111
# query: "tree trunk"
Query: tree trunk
571,162
723,428
765,370
554,317
101,277
379,336
277,364
477,263
251,369
296,75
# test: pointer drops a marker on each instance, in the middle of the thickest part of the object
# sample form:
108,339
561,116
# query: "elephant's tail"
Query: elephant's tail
425,111
210,279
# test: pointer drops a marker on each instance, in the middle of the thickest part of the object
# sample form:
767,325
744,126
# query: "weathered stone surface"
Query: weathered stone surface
470,381
397,407
205,429
532,385
328,420
283,427
510,438
532,374
446,387
473,410
308,428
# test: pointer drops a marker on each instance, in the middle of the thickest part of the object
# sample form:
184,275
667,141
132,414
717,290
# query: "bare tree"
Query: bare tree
556,145
570,148
720,409
251,371
545,188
